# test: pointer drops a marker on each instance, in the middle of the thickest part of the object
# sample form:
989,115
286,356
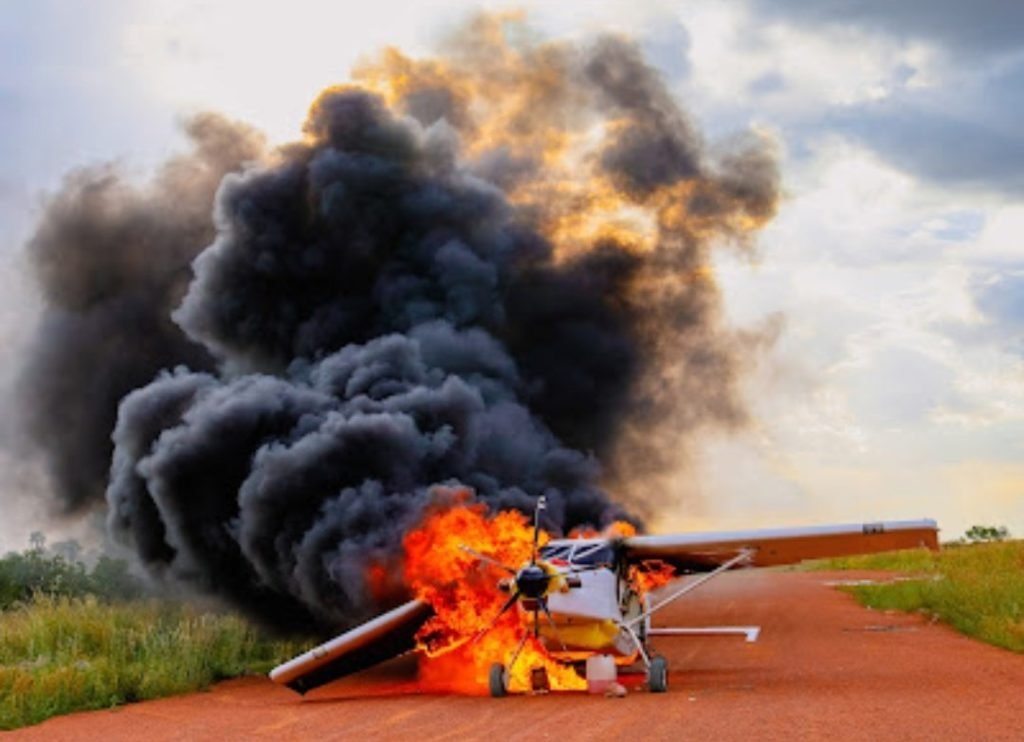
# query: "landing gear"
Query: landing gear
633,607
496,681
657,666
657,675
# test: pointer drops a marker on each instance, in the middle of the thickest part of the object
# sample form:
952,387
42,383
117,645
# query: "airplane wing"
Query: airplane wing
388,635
702,552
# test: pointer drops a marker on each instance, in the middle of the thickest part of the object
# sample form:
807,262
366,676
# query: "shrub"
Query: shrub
976,534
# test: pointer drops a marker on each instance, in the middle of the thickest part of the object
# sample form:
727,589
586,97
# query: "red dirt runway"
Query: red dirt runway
824,668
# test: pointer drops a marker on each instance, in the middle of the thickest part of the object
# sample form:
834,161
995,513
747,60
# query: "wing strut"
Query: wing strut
750,632
689,587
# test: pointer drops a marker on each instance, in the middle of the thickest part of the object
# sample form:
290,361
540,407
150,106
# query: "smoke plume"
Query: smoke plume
112,261
486,270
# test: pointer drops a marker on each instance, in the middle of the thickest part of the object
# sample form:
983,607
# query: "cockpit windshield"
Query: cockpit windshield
584,553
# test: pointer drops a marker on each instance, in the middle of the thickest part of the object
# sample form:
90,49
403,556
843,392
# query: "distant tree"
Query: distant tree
37,541
110,579
35,571
24,575
978,534
69,550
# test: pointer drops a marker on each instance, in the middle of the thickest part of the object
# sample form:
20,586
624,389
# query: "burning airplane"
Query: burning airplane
569,600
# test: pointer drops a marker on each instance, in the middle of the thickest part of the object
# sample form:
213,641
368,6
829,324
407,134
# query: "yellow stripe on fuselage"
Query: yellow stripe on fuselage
593,636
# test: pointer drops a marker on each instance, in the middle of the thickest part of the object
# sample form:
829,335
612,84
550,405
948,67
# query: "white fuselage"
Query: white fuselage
586,617
596,599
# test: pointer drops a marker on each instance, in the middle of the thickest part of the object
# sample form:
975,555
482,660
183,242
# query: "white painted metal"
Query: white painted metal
750,632
767,534
345,643
594,600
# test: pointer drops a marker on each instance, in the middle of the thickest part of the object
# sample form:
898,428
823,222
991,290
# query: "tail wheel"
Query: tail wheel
657,675
496,681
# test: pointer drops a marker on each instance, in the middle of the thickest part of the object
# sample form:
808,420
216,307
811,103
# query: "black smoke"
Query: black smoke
112,260
368,296
372,320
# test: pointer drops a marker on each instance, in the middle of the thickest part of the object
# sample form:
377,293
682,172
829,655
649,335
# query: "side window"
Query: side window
592,554
555,552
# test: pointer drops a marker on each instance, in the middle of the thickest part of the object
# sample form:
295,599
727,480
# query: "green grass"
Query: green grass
61,654
976,589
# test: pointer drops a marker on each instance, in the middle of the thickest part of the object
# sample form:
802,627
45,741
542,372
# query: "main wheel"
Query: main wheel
657,675
496,680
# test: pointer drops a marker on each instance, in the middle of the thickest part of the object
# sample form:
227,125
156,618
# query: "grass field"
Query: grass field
977,589
68,654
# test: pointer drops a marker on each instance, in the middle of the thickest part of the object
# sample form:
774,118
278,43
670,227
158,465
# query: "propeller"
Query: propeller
511,602
487,559
529,584
542,504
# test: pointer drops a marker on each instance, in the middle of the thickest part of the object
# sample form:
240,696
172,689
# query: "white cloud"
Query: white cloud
266,62
884,380
1002,237
788,72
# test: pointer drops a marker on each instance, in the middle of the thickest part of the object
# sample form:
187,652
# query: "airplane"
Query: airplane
586,590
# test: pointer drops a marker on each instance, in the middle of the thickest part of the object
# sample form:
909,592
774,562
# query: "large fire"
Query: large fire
466,637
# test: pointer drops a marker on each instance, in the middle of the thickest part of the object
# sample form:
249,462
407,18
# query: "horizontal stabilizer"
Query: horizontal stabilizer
701,552
386,636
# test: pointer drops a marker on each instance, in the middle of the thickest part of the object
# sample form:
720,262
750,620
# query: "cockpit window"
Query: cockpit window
555,552
586,553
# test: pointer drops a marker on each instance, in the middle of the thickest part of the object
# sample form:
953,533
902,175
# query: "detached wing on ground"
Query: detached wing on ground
702,552
388,635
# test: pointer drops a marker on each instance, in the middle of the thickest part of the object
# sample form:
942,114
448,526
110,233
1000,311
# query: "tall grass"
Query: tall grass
976,589
60,654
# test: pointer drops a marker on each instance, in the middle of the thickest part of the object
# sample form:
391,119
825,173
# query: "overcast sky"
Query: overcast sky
894,270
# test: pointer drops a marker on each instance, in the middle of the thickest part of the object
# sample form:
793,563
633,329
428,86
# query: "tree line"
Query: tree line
61,570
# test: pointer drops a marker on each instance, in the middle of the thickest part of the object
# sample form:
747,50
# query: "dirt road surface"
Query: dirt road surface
823,669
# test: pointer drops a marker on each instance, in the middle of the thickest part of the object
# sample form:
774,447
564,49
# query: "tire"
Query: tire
657,675
496,681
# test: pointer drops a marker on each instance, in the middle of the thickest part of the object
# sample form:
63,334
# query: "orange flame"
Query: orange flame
618,529
466,637
650,575
457,656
